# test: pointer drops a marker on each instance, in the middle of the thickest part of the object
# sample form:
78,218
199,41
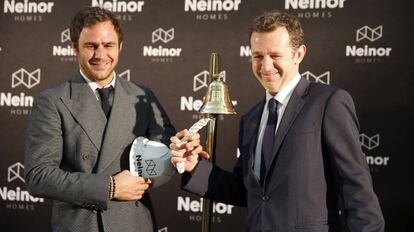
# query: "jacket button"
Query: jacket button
265,198
85,156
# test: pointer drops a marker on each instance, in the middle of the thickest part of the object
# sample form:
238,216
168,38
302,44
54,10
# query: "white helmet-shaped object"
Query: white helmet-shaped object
151,159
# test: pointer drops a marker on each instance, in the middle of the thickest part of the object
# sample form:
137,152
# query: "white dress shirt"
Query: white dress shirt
94,86
282,98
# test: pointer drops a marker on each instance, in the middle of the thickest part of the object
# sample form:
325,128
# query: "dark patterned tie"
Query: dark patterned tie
268,138
104,95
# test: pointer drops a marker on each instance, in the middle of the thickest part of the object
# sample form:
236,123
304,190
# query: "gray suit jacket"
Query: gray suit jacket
71,150
317,169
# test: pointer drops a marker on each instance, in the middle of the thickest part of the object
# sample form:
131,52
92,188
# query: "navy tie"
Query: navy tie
104,95
268,138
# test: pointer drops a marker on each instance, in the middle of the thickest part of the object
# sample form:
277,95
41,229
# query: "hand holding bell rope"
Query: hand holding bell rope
193,129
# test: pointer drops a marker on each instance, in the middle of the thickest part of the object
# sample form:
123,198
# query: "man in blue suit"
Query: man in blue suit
301,165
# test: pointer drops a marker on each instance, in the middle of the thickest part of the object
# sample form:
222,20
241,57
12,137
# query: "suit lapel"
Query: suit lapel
293,108
85,108
121,120
252,129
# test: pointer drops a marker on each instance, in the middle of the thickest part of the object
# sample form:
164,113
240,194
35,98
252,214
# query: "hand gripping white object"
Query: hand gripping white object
151,159
193,129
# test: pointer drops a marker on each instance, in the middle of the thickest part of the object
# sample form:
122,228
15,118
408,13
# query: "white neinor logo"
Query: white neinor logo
64,50
324,78
195,206
368,33
15,171
27,7
163,35
212,5
28,79
314,4
119,6
369,142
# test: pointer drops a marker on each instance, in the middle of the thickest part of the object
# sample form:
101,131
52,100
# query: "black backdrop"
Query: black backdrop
361,46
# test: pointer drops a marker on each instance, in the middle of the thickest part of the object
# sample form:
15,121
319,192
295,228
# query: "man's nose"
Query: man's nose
99,51
267,63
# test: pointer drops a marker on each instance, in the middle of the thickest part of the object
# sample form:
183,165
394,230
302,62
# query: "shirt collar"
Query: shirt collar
283,96
93,85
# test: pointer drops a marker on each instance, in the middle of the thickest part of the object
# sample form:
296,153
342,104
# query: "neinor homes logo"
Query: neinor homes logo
11,6
120,6
23,77
212,9
369,143
314,4
15,172
370,34
18,102
164,36
64,51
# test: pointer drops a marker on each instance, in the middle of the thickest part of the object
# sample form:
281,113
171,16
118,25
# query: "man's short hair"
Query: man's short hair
91,16
271,20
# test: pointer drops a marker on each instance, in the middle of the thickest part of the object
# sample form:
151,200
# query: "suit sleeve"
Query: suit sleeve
215,183
352,176
43,155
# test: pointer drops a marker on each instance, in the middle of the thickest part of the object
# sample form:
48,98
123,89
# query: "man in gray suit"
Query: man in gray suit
81,131
301,167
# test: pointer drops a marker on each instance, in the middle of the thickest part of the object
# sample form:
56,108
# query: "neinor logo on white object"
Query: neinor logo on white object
313,4
211,5
27,7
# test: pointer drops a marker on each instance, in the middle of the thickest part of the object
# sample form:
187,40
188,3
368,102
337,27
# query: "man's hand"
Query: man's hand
188,152
129,187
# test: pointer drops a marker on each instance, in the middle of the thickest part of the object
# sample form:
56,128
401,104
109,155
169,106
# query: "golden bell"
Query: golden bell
217,99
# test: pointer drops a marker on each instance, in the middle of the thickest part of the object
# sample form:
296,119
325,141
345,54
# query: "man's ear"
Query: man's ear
300,53
120,46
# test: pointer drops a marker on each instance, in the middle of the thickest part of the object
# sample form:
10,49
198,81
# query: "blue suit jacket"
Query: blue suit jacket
317,169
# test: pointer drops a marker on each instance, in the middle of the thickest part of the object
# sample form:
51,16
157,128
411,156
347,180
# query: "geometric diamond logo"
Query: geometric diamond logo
15,171
23,77
150,167
65,35
162,35
201,80
369,142
368,33
324,78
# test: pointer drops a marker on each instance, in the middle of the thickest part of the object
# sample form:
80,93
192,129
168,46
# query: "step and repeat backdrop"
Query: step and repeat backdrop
361,46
